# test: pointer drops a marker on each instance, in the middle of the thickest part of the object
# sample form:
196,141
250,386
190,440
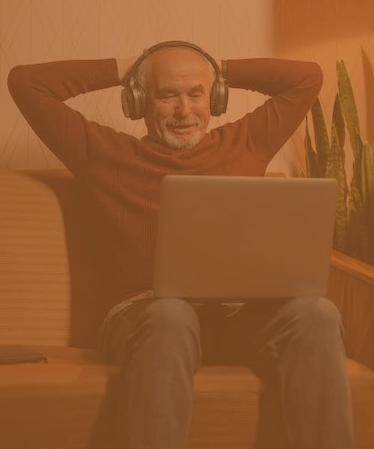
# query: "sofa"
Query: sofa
50,302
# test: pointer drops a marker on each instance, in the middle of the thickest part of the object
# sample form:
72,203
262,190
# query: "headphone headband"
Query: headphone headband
168,44
134,97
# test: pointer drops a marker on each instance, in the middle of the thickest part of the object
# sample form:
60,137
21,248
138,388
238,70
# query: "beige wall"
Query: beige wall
41,30
327,31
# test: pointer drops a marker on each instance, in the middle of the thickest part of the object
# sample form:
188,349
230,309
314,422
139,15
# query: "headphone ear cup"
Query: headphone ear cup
133,100
127,101
219,96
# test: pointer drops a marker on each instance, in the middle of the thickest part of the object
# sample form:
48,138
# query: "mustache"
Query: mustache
180,123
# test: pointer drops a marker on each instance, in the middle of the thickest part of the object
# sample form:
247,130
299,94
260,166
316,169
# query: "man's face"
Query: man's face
178,97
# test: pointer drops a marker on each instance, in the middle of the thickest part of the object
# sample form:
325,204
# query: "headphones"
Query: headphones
134,98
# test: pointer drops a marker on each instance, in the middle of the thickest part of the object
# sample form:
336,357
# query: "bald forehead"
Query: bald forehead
177,54
175,61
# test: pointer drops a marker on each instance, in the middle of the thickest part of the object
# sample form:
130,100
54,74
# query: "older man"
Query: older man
295,343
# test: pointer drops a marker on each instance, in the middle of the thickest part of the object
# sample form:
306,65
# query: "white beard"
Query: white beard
181,142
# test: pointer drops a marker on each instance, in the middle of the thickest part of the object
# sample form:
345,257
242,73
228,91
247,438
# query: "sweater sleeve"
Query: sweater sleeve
293,86
39,91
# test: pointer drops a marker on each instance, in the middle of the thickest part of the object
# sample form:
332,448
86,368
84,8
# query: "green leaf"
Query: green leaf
320,136
338,120
349,109
367,190
357,239
312,167
335,169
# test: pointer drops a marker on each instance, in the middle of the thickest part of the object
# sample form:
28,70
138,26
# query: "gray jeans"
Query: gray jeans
295,345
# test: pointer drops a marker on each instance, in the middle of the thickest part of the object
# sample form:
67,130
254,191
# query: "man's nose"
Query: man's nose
183,107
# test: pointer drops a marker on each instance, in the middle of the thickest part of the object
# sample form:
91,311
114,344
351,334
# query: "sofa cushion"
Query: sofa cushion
51,288
70,402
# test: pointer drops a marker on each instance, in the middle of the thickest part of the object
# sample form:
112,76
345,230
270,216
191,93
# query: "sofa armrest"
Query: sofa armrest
351,288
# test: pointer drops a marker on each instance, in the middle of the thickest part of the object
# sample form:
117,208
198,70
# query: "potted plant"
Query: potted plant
351,280
354,224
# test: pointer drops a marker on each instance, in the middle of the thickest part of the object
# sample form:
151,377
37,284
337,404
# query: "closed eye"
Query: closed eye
197,91
166,92
196,94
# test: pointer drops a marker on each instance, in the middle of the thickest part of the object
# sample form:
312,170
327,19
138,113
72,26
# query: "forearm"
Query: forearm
40,91
61,79
271,76
292,87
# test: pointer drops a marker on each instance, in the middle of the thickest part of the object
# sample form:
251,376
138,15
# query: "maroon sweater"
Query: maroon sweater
122,174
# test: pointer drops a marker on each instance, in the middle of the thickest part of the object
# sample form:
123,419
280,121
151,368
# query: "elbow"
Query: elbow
317,74
19,77
15,79
312,78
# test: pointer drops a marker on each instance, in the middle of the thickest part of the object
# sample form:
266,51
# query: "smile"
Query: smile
184,129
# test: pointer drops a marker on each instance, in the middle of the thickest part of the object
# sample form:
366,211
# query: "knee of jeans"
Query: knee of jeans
172,316
316,316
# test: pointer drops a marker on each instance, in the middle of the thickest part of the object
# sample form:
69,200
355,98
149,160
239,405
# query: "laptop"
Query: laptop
230,238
